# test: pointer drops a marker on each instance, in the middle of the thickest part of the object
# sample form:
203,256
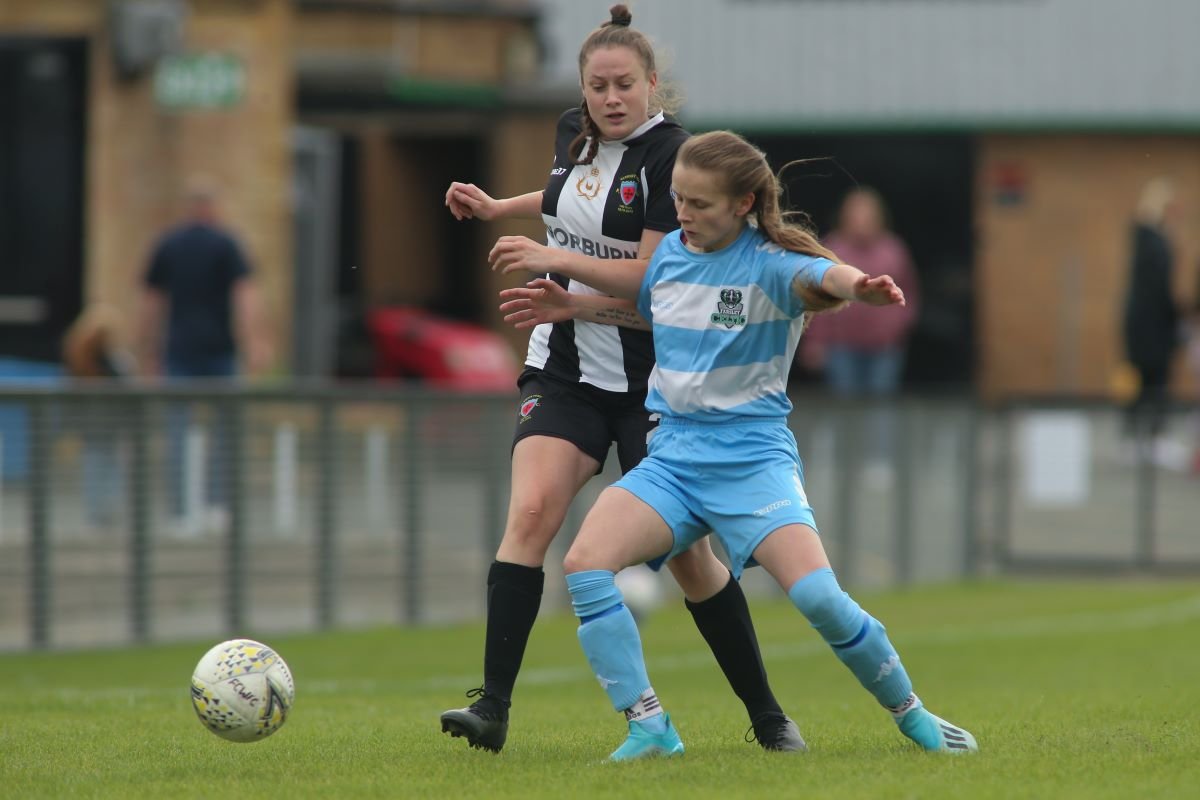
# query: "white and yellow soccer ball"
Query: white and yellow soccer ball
242,690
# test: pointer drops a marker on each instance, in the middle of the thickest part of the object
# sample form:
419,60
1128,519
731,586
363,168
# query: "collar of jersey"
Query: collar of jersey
645,126
746,231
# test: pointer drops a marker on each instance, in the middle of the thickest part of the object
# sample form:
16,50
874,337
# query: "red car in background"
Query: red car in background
446,354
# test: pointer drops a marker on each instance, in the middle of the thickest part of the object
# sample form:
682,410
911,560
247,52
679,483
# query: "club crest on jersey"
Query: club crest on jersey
627,191
589,185
528,405
729,309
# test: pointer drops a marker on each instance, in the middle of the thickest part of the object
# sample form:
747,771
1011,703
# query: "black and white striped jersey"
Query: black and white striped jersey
600,209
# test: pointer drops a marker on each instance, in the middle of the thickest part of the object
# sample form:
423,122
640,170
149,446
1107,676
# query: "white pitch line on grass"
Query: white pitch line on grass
1167,614
1178,611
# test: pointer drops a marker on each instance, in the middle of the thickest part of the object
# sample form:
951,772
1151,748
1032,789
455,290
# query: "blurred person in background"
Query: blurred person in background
606,205
91,354
1151,319
200,318
860,349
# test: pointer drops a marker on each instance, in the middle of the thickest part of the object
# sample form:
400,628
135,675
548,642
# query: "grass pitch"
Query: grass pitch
1072,689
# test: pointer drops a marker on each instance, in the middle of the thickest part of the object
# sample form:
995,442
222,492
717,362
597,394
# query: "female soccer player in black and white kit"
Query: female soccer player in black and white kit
584,385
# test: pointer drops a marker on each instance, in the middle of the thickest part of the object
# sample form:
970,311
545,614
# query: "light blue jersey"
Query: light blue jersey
726,326
723,459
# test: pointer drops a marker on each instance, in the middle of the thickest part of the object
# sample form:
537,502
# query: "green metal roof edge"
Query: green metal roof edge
426,91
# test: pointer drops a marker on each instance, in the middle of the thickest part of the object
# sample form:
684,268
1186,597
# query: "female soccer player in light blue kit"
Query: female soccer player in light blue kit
728,295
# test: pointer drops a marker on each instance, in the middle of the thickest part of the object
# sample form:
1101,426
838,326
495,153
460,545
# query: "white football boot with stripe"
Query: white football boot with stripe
932,732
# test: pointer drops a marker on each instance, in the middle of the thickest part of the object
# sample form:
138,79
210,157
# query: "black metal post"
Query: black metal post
848,461
229,430
496,452
410,568
139,521
1146,523
970,492
1005,499
326,514
40,569
902,461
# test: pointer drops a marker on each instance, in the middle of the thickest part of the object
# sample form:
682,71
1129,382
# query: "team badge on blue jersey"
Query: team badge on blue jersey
729,309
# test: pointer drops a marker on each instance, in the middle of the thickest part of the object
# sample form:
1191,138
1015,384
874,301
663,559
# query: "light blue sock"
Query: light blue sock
857,638
609,636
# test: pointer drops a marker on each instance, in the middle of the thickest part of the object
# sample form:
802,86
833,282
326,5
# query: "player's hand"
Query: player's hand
468,201
881,291
512,253
539,301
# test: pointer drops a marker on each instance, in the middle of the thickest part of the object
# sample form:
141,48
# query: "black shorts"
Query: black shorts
587,417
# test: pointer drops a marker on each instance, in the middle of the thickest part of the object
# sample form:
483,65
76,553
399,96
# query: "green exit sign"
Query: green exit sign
199,81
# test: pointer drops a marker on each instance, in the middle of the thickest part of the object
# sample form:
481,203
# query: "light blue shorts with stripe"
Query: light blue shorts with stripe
740,479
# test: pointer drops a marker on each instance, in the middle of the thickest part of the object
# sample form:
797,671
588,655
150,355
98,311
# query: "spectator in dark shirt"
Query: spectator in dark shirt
201,318
1151,321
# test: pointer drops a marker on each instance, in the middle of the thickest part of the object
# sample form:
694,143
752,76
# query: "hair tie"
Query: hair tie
621,16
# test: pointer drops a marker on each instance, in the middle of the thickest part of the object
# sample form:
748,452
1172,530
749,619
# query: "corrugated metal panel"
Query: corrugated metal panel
805,63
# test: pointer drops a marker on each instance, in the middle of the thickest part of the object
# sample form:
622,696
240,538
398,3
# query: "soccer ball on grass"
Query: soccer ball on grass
242,690
642,592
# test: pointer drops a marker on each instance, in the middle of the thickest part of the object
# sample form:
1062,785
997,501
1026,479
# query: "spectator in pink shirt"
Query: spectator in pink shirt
863,353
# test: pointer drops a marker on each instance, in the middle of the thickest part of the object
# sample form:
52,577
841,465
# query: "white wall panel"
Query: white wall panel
974,63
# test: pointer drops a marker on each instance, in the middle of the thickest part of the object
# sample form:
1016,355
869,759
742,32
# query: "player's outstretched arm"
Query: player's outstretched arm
850,283
543,300
468,201
621,277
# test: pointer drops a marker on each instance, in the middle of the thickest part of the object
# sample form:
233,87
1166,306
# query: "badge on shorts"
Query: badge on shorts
528,405
729,309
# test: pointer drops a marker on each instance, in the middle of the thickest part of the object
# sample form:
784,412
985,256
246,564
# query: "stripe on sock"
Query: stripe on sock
858,637
646,706
604,613
906,706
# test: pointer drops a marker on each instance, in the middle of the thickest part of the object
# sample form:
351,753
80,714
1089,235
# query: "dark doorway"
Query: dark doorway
926,181
448,159
457,270
42,135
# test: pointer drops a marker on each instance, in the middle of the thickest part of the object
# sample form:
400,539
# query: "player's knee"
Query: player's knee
588,553
532,524
827,608
579,559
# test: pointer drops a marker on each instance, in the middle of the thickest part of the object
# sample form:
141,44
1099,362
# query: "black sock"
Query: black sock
724,621
514,595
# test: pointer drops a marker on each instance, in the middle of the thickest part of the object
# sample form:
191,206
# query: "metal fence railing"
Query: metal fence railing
137,514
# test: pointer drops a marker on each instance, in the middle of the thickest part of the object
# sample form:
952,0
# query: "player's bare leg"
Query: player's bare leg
547,473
